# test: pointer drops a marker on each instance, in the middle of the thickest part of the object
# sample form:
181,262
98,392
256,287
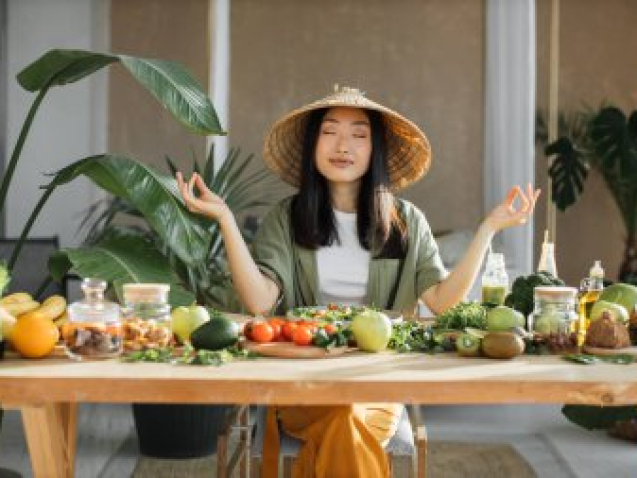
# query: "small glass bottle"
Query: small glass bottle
147,320
590,289
547,257
495,280
94,328
554,316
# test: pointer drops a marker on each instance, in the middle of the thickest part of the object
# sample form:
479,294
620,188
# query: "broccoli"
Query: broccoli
521,296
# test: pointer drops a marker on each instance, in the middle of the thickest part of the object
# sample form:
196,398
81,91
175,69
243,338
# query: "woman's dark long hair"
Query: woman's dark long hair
380,228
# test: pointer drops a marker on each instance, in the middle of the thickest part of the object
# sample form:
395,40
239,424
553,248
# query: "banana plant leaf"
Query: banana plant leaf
154,195
167,81
121,257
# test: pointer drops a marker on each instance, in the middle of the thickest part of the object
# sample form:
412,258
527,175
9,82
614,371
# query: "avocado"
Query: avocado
216,334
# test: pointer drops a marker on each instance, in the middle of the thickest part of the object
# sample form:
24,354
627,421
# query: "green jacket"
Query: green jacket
393,284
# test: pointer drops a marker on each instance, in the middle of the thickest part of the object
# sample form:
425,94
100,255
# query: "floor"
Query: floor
556,449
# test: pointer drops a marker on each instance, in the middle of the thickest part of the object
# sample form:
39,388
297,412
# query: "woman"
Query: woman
345,238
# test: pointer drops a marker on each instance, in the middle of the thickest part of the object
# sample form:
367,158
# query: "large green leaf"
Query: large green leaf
614,141
122,258
154,195
59,67
169,82
174,88
594,418
567,171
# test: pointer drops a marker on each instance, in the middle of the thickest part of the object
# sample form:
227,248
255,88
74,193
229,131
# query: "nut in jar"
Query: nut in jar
147,323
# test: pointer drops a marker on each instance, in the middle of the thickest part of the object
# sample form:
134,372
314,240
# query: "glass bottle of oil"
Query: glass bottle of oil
590,289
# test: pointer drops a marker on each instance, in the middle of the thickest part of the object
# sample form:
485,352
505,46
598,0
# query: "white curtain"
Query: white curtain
510,117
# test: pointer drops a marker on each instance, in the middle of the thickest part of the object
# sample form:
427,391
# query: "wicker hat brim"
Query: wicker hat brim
408,149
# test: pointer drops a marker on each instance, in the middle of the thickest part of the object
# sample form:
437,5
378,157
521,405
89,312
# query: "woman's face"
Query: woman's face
344,146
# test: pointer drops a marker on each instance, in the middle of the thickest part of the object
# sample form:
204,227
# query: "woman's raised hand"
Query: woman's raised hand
205,202
507,214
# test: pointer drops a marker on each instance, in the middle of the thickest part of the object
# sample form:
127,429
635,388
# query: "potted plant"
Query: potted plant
606,141
184,98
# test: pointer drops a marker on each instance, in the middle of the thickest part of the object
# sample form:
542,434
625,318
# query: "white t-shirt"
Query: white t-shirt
343,267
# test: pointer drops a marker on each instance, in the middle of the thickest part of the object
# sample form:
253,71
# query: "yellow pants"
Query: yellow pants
339,441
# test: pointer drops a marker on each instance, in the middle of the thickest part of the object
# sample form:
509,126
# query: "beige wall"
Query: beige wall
165,29
422,58
597,63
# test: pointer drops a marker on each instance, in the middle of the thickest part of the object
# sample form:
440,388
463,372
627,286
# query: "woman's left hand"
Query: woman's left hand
506,214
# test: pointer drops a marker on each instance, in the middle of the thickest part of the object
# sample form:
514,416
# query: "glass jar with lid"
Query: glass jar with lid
147,320
94,328
554,316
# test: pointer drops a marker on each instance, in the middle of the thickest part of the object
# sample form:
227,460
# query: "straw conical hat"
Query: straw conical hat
408,150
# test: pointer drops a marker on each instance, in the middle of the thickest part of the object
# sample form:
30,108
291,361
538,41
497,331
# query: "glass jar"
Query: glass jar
94,328
495,280
555,317
147,320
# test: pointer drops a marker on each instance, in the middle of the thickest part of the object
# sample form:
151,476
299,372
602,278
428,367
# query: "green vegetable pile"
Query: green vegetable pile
413,336
463,315
189,356
340,338
521,296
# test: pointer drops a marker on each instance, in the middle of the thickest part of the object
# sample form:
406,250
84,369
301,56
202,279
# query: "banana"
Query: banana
16,298
53,307
62,319
18,308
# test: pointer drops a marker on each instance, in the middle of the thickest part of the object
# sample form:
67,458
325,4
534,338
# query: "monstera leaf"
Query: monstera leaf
121,257
567,171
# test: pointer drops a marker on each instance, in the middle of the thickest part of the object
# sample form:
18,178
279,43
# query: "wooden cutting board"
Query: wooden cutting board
290,350
604,351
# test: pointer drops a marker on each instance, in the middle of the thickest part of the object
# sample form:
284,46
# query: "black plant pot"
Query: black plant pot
178,431
2,349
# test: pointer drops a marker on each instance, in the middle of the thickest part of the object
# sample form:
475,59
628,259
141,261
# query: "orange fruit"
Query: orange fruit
34,336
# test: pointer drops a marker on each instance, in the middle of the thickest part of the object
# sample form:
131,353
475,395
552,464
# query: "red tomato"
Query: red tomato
262,332
247,330
330,329
276,329
288,329
302,336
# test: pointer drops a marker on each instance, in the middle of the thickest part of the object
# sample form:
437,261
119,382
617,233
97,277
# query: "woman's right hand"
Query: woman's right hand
205,202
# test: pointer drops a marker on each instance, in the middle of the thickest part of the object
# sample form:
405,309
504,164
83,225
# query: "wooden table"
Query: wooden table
47,391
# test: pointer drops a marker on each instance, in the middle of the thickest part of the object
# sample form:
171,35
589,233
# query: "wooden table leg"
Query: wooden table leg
51,432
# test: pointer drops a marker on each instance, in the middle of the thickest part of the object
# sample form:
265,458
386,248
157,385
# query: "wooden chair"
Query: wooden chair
407,450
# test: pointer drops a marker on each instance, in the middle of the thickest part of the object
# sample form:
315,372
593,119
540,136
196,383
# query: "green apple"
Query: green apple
617,311
503,318
372,330
187,319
